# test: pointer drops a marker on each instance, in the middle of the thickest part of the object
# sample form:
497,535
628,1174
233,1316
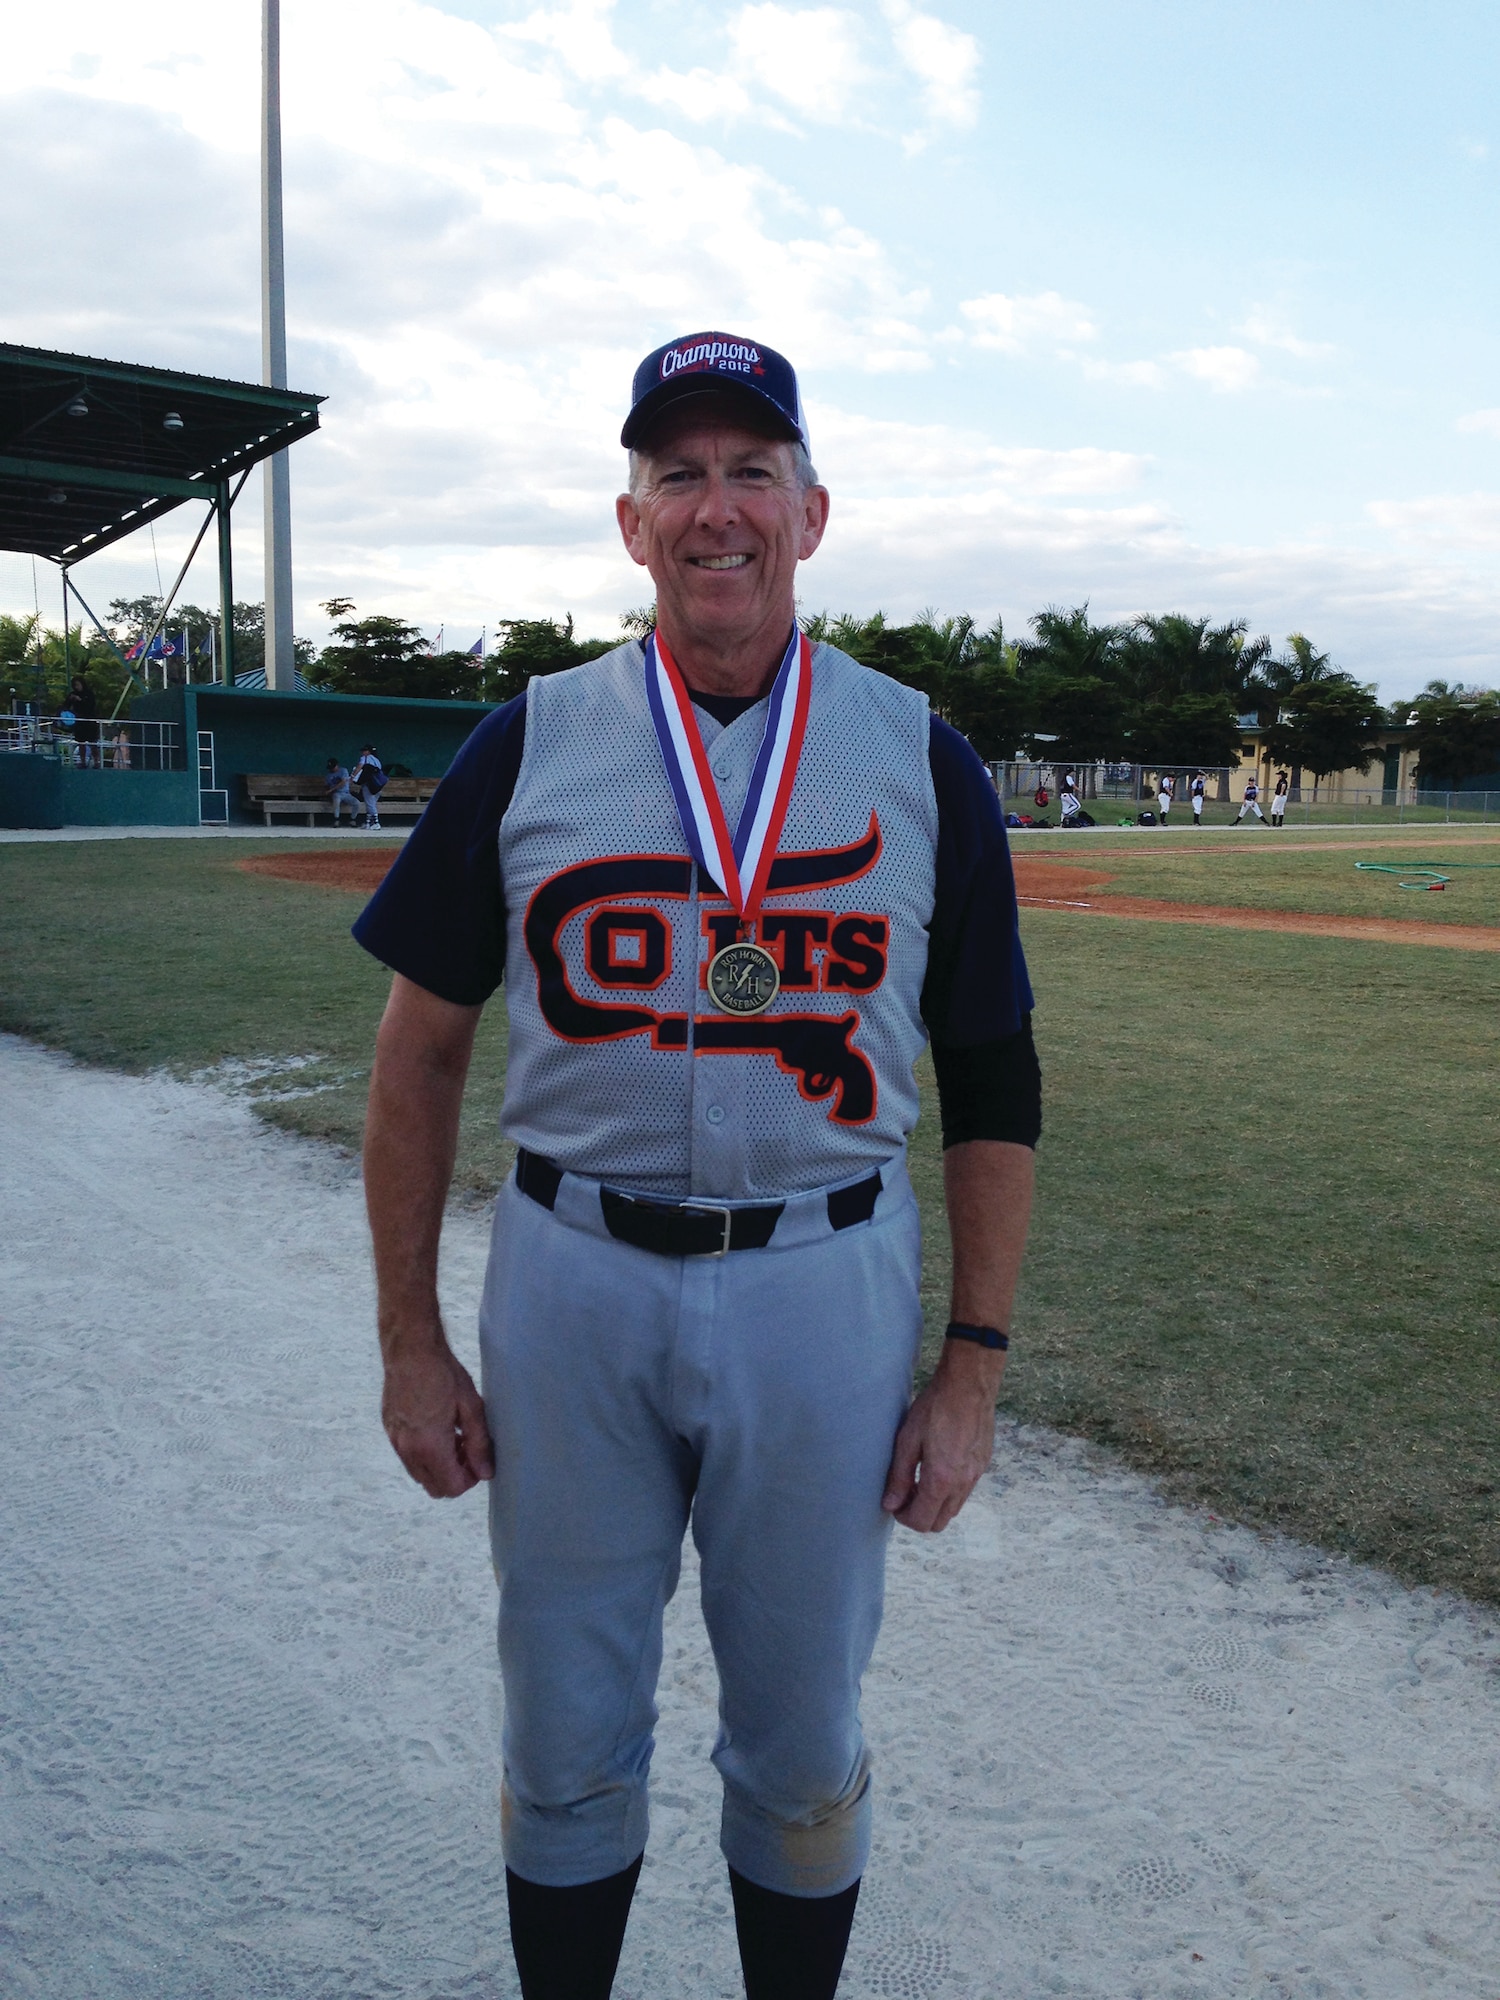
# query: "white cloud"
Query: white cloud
1450,520
1014,325
487,229
866,455
1225,369
1133,374
1486,423
1267,328
810,57
942,58
1475,151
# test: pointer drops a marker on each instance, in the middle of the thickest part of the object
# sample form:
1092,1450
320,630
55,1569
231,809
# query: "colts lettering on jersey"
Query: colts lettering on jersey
627,945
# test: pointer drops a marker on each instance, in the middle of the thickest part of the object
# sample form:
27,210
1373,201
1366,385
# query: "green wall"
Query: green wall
261,731
42,792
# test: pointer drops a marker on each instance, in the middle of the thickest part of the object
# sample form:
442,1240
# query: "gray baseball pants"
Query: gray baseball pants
755,1396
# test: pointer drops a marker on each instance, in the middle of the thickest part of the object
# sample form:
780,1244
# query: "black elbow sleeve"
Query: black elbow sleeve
991,1091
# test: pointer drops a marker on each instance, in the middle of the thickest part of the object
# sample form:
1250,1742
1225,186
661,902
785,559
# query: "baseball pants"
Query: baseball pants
755,1396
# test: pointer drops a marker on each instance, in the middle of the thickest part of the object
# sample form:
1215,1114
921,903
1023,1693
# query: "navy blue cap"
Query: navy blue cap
701,364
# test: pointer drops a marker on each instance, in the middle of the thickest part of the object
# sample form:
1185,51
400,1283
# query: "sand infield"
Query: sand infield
251,1707
1044,883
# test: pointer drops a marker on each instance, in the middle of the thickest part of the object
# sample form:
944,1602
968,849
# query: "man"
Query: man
1196,792
732,881
336,785
1166,787
1251,801
368,779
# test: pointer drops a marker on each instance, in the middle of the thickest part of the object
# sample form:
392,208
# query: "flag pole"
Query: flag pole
277,474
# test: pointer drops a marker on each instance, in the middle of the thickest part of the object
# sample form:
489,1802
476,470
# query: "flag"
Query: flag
206,645
476,651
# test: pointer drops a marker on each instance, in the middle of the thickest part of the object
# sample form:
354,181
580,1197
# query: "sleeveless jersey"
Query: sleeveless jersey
619,1065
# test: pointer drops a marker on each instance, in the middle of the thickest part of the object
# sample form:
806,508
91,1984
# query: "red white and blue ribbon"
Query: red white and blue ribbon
740,866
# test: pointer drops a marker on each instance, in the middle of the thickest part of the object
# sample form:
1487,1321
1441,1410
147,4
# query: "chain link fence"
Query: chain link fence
1118,794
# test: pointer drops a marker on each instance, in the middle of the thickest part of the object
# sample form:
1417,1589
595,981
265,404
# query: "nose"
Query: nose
718,508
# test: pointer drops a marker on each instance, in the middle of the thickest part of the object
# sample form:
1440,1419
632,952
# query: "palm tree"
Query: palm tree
1189,680
1278,678
1071,670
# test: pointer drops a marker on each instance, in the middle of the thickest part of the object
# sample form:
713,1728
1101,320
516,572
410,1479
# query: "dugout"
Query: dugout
90,452
231,732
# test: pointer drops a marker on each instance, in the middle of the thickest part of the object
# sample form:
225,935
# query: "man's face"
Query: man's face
721,521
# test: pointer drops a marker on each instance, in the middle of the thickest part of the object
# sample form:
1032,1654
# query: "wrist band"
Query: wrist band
982,1336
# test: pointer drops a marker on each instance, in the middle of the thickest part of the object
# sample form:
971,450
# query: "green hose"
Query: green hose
1434,874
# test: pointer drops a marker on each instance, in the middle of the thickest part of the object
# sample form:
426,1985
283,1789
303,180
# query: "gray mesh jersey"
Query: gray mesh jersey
619,1066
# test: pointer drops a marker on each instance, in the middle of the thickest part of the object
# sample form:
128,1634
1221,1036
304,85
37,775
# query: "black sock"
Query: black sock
791,1947
567,1941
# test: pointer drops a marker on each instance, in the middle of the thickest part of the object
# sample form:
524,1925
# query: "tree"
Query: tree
1278,677
35,665
1071,671
1188,683
1333,724
1456,733
541,646
386,656
971,678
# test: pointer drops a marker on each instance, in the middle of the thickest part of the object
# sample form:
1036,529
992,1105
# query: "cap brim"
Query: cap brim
651,407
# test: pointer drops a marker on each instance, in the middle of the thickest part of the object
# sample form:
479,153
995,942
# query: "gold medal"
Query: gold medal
743,979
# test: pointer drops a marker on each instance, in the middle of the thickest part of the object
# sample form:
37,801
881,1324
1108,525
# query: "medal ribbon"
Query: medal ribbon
742,865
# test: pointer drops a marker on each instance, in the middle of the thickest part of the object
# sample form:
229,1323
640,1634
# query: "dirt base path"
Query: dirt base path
250,1715
1060,885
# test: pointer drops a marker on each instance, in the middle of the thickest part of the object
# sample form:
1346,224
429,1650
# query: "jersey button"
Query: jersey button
715,1114
721,772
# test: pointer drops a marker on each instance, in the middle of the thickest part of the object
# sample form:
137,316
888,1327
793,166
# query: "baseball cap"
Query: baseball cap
701,364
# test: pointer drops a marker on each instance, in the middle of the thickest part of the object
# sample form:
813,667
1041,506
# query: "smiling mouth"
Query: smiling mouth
719,562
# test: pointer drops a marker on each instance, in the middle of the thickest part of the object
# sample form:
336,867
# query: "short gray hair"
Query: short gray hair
802,465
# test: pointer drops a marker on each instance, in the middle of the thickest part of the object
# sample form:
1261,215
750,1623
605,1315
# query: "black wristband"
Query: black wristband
982,1336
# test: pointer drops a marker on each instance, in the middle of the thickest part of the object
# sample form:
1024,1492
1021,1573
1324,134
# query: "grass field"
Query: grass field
1289,871
1263,1266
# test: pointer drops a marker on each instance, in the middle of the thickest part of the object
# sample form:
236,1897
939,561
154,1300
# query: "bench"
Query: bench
300,795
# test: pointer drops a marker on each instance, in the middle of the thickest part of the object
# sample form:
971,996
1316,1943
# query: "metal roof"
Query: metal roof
91,450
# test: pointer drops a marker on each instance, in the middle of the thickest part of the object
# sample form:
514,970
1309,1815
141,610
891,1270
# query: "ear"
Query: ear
815,505
629,517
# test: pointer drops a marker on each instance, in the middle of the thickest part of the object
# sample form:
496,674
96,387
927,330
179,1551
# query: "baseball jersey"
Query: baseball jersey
619,1066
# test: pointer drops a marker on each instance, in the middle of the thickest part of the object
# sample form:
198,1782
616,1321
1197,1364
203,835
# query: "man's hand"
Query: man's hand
944,1446
432,1411
434,1416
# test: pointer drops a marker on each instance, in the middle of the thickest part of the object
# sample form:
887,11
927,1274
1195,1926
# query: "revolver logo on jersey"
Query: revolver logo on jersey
612,924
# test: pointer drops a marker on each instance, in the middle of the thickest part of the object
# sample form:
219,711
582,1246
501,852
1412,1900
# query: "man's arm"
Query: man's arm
432,1411
947,1439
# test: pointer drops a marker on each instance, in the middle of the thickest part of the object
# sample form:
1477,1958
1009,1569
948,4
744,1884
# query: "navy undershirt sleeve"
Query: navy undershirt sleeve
438,918
977,997
976,989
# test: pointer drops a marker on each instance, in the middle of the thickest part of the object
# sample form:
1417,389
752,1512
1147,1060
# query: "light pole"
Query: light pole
277,474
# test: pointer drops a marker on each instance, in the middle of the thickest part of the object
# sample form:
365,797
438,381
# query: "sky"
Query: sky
1161,305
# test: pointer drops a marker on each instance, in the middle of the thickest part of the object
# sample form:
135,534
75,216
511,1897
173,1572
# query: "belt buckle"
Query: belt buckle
712,1208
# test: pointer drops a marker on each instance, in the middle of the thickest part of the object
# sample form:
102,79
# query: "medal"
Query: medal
743,977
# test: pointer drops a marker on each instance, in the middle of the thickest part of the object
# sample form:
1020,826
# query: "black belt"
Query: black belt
691,1228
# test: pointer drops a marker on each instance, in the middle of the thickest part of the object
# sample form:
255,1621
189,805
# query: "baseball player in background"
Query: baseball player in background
1196,791
732,882
1166,786
1251,802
